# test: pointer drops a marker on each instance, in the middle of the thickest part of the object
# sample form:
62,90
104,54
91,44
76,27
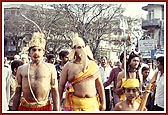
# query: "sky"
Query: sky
133,9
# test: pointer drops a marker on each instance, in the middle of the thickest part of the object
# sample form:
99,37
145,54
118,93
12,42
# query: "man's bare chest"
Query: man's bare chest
75,70
37,72
132,75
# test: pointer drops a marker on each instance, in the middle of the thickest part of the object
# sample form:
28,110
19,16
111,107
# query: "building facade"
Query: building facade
153,28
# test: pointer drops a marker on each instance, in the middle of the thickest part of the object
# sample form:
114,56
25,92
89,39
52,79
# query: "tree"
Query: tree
91,21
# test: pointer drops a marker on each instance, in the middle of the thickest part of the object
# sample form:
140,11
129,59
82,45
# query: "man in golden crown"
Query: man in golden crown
87,91
36,80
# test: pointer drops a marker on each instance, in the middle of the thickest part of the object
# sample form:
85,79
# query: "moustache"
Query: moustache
36,56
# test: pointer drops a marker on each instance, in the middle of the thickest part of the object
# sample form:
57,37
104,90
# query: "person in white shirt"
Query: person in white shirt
6,89
105,73
13,81
158,85
151,73
104,69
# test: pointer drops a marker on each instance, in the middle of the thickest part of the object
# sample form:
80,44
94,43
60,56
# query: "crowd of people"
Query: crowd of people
78,82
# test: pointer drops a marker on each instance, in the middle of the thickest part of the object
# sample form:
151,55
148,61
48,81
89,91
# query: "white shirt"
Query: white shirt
159,95
105,73
5,88
151,74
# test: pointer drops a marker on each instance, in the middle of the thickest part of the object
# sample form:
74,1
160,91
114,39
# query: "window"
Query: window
151,34
163,13
151,14
13,12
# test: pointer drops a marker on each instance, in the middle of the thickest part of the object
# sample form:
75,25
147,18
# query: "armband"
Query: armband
147,91
53,86
18,85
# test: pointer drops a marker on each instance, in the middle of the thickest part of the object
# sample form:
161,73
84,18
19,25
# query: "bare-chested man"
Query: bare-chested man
83,73
36,80
132,67
131,90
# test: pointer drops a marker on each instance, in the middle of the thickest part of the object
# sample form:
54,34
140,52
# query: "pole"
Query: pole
124,26
125,60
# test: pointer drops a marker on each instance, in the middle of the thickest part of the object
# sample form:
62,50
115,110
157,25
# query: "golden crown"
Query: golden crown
37,40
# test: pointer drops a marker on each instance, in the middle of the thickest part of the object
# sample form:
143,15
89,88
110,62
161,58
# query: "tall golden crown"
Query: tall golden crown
37,40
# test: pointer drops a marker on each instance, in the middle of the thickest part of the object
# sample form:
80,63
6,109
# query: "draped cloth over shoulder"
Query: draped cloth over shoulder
91,70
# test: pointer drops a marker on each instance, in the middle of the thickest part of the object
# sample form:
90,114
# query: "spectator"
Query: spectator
158,85
13,81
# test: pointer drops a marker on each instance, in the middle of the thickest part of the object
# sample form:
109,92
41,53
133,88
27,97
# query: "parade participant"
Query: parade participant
158,85
131,90
13,82
113,78
83,73
105,72
35,80
132,66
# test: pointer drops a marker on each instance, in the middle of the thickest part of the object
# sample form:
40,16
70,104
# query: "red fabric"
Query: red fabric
47,107
44,108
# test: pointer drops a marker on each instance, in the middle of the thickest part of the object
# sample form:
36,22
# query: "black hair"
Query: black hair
103,57
63,53
161,60
16,64
49,56
145,68
131,56
30,48
149,61
122,56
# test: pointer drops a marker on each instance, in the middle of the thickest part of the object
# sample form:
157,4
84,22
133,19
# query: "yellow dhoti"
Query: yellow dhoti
74,103
85,104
